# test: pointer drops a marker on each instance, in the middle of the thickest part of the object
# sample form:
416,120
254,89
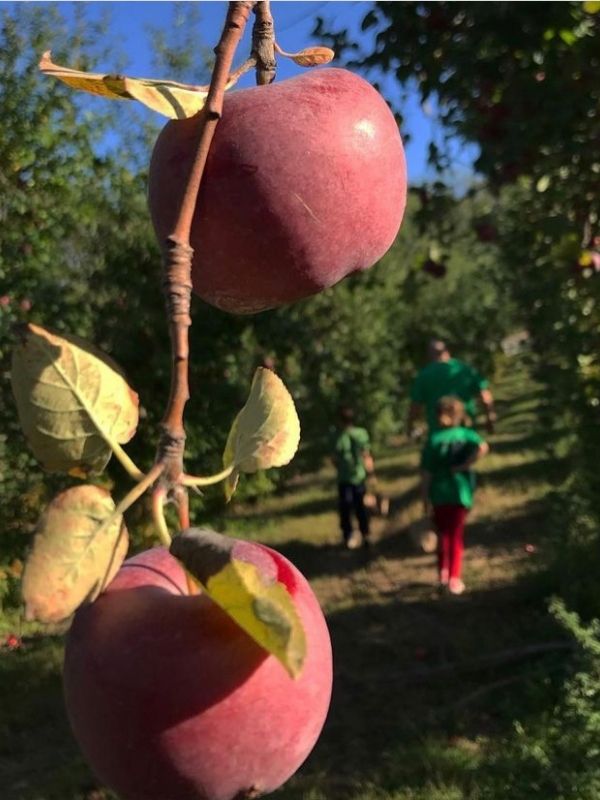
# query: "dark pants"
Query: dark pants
351,499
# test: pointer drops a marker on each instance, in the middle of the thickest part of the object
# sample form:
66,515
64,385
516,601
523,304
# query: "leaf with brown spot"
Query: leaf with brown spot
169,98
80,543
241,578
73,402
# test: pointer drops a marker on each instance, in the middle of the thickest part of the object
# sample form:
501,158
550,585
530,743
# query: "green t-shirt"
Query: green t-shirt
446,448
442,378
348,449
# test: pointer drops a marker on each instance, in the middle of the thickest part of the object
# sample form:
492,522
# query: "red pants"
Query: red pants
450,524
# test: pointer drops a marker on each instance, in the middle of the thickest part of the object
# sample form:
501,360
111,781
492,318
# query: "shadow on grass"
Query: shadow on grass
39,759
539,470
411,670
533,441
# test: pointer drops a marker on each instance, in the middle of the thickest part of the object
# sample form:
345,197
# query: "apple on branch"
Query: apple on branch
304,184
170,699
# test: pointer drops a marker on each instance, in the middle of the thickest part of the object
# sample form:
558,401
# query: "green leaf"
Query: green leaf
172,99
72,400
241,578
266,432
79,545
568,36
543,183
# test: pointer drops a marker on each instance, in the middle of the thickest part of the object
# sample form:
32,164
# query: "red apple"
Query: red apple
170,700
305,183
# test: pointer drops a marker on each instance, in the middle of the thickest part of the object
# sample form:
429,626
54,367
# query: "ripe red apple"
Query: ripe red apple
170,700
305,183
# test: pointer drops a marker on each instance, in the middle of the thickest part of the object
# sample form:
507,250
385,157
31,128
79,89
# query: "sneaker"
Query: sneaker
354,541
456,586
444,577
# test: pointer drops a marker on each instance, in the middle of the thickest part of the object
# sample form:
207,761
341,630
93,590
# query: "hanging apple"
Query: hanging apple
169,698
305,183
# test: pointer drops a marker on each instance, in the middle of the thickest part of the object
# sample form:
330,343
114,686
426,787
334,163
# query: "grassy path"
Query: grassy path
423,684
415,698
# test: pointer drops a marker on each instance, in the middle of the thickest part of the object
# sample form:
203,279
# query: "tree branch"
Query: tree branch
177,253
263,43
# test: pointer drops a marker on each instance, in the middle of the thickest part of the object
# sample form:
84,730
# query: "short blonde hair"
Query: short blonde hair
450,411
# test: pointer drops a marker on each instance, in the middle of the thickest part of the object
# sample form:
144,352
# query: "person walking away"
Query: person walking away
445,376
448,485
353,462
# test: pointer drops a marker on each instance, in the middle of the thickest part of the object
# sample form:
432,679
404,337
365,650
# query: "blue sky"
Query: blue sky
294,21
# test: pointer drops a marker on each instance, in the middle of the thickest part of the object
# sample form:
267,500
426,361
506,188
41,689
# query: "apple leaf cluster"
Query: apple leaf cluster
76,409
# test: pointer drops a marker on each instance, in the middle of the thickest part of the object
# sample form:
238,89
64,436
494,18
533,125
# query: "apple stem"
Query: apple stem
209,480
159,495
183,507
263,43
177,254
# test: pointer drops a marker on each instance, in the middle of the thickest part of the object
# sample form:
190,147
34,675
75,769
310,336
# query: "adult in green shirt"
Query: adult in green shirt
448,484
446,376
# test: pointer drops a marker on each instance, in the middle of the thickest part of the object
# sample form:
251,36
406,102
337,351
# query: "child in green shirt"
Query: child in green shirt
353,462
448,485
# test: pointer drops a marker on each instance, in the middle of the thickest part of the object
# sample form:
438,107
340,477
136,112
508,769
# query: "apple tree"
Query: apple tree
208,649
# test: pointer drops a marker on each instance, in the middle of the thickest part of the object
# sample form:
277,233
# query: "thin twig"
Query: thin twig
126,462
210,114
183,507
178,253
139,489
248,64
263,44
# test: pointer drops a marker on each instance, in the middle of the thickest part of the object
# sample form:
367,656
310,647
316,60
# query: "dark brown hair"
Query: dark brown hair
346,415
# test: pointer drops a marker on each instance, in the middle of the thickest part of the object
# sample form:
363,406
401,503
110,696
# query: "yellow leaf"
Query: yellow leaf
240,577
591,7
266,432
231,483
72,400
79,545
585,258
172,99
310,56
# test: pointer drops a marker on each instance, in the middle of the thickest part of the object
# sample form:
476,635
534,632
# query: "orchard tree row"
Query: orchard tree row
519,82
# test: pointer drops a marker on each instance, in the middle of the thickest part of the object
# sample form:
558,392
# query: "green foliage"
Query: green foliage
78,246
559,757
56,213
532,109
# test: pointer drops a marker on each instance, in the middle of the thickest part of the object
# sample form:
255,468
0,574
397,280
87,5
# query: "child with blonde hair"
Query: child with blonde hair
448,485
